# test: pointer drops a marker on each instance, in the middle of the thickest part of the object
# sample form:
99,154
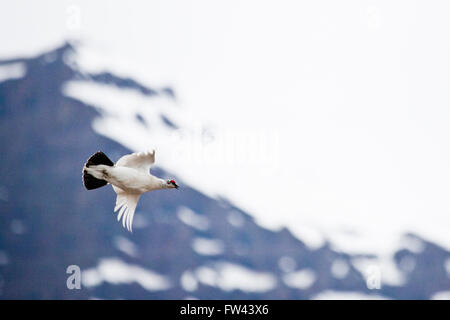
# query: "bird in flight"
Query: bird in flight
130,177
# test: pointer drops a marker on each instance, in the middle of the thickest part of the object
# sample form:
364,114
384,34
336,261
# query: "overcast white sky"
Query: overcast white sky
357,92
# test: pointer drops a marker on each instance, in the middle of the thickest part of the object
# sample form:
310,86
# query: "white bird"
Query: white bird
130,177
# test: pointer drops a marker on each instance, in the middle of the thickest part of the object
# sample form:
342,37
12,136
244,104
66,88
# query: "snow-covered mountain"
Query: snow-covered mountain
190,244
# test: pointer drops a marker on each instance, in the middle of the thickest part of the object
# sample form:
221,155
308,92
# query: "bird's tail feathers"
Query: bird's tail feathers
99,158
89,181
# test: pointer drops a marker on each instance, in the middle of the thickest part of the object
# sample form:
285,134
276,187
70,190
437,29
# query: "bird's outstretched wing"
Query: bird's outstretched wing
138,160
127,203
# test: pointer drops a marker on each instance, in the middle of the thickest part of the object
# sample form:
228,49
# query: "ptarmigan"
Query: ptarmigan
130,177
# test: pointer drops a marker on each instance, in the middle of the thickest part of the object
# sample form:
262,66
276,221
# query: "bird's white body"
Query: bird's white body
130,177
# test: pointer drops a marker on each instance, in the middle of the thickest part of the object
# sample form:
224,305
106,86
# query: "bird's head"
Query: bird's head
171,184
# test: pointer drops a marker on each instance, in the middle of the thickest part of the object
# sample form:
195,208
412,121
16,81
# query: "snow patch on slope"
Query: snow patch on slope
228,276
346,295
302,279
126,246
287,264
207,247
340,269
236,219
382,262
441,295
192,219
115,271
188,281
12,71
382,268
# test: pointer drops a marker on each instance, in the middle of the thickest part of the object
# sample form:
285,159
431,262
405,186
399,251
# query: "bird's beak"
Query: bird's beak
176,186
